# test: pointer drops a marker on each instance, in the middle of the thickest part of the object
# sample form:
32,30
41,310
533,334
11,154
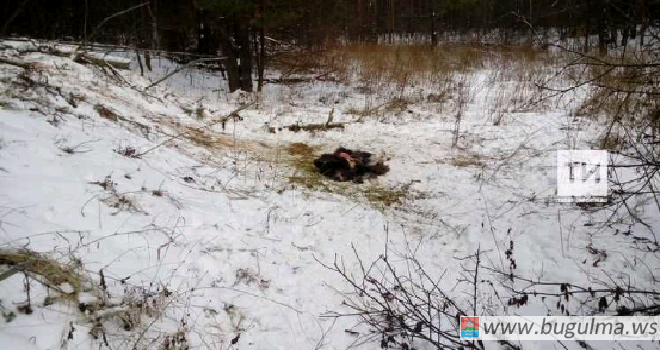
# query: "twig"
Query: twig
13,16
115,15
257,296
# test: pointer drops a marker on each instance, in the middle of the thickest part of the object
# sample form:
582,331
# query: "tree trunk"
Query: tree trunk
392,20
257,57
154,27
262,46
203,33
139,59
233,75
147,59
602,32
259,39
245,55
642,30
434,34
586,39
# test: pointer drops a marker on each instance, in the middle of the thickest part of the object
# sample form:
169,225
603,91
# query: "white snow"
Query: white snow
235,245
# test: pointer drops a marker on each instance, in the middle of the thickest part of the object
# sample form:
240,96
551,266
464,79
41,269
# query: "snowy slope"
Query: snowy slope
235,247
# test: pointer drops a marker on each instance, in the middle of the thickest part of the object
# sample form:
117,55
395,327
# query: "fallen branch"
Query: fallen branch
104,61
26,66
310,127
201,60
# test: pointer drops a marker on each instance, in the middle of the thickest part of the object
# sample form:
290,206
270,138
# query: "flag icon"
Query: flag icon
469,327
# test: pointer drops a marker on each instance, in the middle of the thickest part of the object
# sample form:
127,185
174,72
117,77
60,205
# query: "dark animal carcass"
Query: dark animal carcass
348,165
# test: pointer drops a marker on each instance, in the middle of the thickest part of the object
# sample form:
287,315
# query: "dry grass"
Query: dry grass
468,160
611,142
122,202
626,99
384,196
45,269
305,174
405,64
362,113
408,64
106,113
402,65
394,75
303,63
396,105
301,160
101,315
206,137
621,84
300,149
439,97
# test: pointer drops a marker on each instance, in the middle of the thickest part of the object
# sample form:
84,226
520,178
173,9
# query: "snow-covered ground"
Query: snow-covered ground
213,237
